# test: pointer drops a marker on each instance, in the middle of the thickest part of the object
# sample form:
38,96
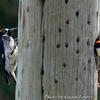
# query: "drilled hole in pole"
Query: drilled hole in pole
58,45
77,14
78,39
76,79
77,51
56,81
66,1
66,45
89,60
27,9
88,42
88,22
67,22
59,30
64,65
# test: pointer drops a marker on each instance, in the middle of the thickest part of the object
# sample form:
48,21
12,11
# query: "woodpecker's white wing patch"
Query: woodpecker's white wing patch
98,51
2,55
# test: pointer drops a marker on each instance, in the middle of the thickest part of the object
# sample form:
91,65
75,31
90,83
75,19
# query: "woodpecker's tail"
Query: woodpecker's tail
7,78
13,76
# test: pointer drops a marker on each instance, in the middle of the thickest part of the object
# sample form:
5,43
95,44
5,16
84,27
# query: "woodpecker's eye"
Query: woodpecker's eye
4,31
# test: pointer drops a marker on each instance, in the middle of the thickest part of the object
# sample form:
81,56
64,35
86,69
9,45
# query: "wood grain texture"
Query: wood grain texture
70,30
56,38
30,50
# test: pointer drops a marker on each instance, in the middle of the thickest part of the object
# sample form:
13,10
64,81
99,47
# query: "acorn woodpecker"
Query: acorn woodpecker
97,47
8,53
97,57
97,51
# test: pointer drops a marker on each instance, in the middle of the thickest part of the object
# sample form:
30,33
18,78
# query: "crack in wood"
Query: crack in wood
43,40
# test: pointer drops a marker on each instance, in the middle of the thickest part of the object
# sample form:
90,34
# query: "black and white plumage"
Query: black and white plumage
97,47
8,53
97,51
97,57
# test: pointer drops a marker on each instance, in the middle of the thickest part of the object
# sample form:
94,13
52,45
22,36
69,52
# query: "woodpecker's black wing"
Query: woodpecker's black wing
95,52
2,60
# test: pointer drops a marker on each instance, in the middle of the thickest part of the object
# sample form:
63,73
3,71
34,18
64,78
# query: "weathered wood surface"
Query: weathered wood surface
56,37
30,50
70,29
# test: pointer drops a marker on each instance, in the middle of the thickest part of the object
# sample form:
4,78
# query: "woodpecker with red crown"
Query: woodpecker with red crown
97,47
8,53
97,57
97,51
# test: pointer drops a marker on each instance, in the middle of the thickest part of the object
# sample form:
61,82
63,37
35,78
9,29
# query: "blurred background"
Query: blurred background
8,19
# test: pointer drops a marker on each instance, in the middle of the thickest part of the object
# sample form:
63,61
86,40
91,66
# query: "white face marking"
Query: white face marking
6,29
5,35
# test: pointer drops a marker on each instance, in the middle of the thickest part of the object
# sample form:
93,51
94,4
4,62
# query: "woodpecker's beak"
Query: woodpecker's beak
10,32
13,29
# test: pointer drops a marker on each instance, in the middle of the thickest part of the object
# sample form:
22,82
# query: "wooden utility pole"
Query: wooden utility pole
56,58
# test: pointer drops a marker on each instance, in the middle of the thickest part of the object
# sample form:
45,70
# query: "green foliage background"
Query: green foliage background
8,19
